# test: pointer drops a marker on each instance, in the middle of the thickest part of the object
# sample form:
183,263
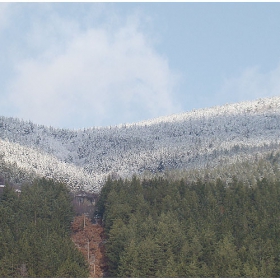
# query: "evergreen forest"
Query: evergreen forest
195,194
163,228
35,232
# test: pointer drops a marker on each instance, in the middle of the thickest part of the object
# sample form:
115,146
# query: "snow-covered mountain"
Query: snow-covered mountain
197,139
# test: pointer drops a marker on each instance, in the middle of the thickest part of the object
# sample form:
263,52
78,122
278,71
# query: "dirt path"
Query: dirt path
88,238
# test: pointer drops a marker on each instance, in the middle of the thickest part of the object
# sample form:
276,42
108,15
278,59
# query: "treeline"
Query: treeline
247,170
35,232
161,228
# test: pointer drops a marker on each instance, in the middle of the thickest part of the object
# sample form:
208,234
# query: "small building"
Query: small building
85,198
2,188
84,202
16,190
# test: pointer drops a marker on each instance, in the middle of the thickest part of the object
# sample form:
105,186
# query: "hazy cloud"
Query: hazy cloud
4,15
96,76
252,84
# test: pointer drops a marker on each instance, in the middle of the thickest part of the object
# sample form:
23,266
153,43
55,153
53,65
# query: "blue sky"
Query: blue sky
76,65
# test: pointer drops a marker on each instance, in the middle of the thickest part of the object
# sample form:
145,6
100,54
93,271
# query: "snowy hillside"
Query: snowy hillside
196,139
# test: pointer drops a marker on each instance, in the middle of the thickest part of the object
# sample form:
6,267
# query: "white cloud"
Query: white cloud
252,84
94,77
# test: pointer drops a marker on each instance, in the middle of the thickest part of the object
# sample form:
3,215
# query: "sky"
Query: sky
79,65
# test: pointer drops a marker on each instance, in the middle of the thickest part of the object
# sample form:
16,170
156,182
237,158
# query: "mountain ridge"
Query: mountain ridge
84,158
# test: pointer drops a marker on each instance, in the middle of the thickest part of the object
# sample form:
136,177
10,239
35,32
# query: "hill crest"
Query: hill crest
201,138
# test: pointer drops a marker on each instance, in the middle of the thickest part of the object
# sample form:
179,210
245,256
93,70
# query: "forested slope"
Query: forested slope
160,228
248,170
198,139
35,233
